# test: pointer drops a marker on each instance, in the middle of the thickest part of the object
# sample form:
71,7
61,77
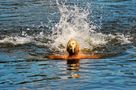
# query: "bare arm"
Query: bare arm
92,56
80,56
57,57
96,55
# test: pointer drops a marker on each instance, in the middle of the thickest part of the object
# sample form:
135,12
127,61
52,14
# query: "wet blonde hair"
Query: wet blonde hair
72,47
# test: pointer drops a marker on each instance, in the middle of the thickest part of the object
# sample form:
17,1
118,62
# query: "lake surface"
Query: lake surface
26,24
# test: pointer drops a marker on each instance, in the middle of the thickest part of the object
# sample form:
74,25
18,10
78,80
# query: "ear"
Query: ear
67,47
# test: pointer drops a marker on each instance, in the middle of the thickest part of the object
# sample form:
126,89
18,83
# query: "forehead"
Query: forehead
72,41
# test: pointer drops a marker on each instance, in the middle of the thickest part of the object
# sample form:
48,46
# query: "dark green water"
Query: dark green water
22,26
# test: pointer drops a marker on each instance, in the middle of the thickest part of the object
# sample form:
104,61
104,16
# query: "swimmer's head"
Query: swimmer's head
72,47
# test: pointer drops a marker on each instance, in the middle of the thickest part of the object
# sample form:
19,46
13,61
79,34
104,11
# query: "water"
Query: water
37,28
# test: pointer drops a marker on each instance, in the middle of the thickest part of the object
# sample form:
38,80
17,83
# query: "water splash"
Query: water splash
74,24
23,38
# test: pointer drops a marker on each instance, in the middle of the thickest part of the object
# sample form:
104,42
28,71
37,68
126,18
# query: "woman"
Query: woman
73,50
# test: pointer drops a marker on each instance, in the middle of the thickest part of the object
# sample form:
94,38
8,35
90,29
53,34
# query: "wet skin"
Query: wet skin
74,56
73,50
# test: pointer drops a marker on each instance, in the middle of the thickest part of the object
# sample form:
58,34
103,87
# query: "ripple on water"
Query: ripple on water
17,71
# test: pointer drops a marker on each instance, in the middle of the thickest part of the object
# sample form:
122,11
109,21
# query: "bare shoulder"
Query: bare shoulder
56,57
